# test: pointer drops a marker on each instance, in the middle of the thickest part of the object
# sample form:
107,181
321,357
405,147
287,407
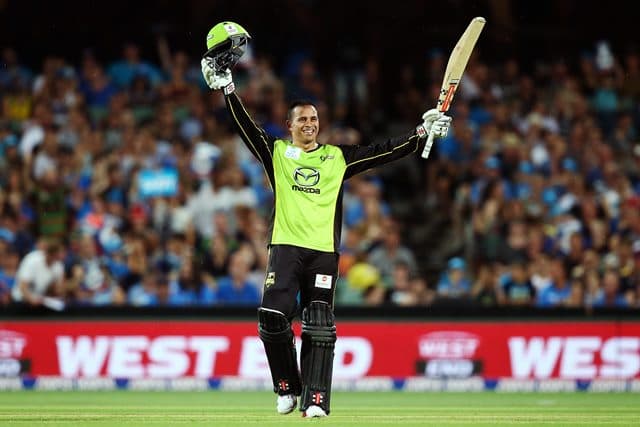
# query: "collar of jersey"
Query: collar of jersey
307,152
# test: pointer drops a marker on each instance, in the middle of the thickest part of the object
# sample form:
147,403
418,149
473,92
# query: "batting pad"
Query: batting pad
318,342
276,334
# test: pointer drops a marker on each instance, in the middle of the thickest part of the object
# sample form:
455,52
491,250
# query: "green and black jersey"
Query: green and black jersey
307,186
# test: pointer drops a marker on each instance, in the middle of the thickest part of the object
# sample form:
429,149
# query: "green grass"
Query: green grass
128,408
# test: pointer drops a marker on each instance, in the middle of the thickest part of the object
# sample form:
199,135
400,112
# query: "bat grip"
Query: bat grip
427,147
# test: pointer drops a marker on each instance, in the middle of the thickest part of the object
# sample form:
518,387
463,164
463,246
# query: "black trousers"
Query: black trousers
293,269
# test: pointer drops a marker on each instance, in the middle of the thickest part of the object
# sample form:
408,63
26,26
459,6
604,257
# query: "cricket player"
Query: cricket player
304,236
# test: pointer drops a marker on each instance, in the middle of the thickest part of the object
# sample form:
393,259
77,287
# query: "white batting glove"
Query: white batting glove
215,80
434,122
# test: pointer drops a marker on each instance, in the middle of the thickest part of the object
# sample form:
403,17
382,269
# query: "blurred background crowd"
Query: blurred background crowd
123,182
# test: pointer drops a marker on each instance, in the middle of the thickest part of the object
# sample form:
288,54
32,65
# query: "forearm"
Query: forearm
399,147
28,296
253,136
362,158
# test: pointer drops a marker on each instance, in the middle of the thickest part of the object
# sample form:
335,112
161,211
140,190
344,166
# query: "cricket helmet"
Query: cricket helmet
226,43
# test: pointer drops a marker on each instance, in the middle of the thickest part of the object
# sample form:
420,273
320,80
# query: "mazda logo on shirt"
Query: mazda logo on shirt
306,177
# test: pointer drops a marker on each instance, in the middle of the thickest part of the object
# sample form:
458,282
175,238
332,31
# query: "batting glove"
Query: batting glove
215,80
434,122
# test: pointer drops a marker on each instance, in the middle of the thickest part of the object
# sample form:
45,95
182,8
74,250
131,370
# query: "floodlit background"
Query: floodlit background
538,179
112,146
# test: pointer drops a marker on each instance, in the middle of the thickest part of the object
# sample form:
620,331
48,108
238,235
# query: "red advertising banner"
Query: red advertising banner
145,349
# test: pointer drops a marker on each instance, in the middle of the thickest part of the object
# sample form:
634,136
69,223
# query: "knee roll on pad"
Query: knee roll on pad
276,335
318,343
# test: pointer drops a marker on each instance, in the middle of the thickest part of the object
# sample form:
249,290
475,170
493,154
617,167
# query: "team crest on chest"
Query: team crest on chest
292,152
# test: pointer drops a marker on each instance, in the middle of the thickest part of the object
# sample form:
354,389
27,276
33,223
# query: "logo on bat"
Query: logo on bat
449,95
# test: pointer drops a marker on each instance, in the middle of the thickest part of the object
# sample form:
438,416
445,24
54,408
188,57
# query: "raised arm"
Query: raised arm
254,137
360,158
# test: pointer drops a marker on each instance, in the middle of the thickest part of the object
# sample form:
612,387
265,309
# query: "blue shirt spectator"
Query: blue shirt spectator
615,301
131,66
453,283
610,295
6,284
144,293
98,90
516,287
11,70
170,293
555,295
558,293
234,289
233,293
180,296
208,295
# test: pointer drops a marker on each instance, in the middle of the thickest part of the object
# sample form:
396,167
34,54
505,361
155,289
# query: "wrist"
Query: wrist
421,131
229,89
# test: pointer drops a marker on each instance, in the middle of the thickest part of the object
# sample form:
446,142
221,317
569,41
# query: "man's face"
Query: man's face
54,256
304,124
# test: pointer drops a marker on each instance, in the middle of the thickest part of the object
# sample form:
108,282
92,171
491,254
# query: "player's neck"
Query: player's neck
306,146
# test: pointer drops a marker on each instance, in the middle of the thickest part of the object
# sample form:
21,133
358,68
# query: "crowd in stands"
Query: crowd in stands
124,183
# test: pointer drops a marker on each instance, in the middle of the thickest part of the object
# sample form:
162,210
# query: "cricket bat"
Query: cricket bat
455,68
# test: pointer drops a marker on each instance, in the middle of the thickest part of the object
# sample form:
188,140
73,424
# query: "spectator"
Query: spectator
49,202
540,272
592,288
235,191
40,274
390,252
577,288
610,296
454,283
184,289
216,262
91,281
422,293
362,285
517,289
8,269
178,292
558,293
401,292
124,71
97,91
235,289
515,248
484,289
11,69
350,250
145,292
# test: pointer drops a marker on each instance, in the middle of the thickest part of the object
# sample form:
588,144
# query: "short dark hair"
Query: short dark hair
297,103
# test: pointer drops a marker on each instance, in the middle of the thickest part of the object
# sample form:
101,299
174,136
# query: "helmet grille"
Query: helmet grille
226,54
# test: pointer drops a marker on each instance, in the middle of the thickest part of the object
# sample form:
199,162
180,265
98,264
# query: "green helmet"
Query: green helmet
226,43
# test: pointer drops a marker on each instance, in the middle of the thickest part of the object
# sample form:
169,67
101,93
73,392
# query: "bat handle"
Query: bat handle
427,146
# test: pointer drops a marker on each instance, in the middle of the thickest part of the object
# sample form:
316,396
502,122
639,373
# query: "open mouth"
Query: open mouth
308,131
